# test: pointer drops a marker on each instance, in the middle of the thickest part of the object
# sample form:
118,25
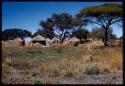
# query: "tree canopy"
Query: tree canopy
10,34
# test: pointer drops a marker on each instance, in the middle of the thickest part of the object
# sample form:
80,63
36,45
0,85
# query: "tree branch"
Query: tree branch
98,24
116,21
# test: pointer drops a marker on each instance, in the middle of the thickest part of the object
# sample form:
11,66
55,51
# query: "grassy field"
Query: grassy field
57,65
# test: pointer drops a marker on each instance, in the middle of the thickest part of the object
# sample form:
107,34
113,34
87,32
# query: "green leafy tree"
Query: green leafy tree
10,34
102,15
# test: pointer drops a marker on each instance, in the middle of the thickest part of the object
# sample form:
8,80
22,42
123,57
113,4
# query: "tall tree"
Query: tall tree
102,15
10,34
63,24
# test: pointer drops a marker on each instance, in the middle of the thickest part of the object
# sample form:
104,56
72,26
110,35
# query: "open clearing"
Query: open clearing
62,65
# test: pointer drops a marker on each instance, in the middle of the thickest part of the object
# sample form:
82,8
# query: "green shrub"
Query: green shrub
92,69
68,74
37,82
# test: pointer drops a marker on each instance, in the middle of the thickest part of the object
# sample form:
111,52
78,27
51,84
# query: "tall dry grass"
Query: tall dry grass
105,60
75,63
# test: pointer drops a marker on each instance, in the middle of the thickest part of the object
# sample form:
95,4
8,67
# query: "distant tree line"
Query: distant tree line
10,34
64,26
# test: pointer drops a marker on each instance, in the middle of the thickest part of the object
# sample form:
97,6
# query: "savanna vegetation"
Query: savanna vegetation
62,65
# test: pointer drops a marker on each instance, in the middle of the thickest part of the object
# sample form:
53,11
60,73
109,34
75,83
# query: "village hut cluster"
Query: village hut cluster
40,41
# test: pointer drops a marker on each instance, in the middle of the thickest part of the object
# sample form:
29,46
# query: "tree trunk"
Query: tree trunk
80,40
106,37
61,40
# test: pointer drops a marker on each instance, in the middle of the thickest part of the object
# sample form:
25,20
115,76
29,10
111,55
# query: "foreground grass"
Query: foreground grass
104,61
62,61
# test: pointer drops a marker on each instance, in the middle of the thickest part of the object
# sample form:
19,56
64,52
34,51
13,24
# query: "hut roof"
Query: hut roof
55,39
18,39
38,38
73,39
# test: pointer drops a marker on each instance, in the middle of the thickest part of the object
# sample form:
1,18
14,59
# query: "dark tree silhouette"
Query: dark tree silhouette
10,34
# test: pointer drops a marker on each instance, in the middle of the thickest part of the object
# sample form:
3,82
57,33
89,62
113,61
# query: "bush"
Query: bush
37,82
68,74
92,69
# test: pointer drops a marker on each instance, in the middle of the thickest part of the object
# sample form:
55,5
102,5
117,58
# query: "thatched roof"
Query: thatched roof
55,39
38,38
73,39
18,39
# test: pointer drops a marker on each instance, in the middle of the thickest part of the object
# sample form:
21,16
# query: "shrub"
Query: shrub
68,74
37,82
92,69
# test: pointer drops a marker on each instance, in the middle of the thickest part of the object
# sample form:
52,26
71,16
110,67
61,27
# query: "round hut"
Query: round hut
73,39
18,42
39,40
55,40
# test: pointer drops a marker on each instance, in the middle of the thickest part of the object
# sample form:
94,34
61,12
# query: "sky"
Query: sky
27,15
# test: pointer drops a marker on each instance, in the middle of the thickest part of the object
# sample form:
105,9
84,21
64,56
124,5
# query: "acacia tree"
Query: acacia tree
102,15
63,24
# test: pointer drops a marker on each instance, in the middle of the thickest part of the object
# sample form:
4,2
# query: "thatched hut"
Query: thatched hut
55,40
73,39
39,40
18,42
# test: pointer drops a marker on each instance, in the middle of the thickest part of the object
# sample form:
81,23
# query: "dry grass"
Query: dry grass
104,61
70,62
